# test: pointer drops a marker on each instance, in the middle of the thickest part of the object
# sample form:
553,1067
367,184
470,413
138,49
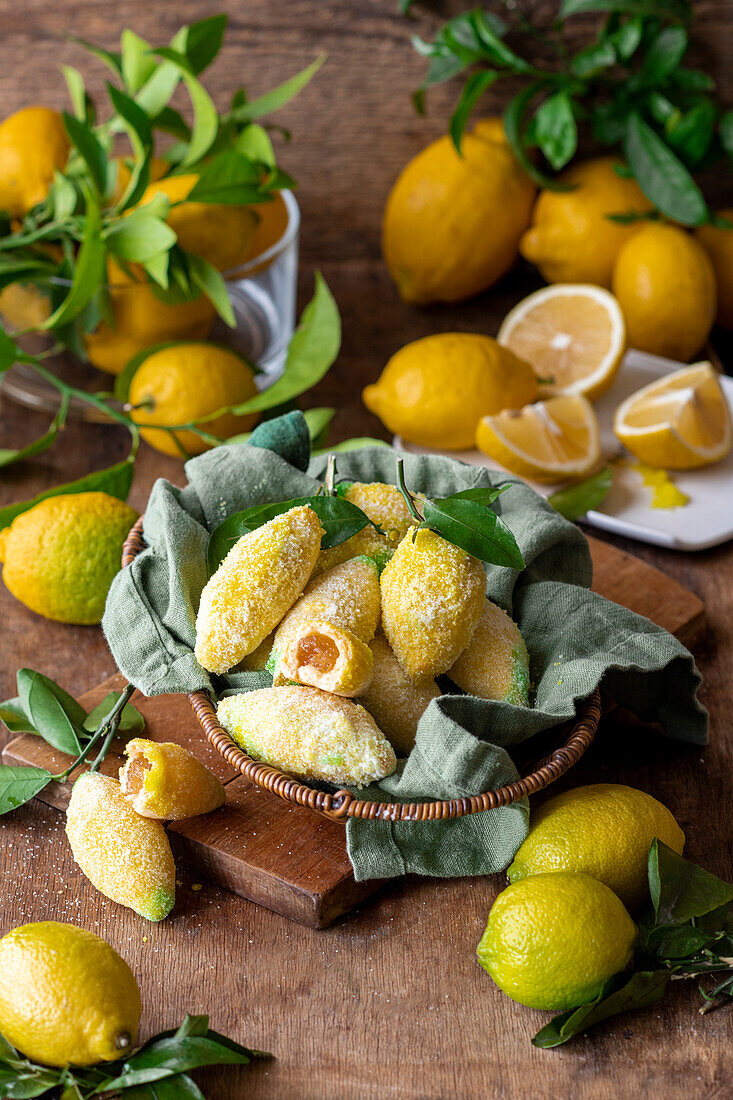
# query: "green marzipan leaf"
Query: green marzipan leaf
476,529
339,518
115,480
131,720
681,890
661,175
52,711
619,994
313,348
19,784
576,500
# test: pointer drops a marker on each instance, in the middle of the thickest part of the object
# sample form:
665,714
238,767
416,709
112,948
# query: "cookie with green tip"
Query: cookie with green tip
495,664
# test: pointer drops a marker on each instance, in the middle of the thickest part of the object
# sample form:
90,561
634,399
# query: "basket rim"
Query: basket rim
578,735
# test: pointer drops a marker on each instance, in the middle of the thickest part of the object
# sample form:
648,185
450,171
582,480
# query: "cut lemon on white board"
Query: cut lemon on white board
679,422
550,441
572,334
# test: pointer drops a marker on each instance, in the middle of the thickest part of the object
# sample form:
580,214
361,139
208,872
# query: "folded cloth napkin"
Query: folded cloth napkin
576,640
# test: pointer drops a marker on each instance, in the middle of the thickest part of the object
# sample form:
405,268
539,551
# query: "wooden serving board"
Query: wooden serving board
287,858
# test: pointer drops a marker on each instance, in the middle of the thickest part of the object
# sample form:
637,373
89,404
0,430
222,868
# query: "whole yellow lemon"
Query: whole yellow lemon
665,284
33,144
452,222
180,384
434,391
218,232
604,830
60,556
66,996
571,239
552,941
718,243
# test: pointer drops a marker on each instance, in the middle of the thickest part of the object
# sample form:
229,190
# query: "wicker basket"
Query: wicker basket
576,737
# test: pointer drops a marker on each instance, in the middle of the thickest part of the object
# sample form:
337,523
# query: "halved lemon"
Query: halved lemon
550,441
679,422
572,334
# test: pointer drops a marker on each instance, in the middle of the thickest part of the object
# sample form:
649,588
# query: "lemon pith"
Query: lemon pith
604,830
66,996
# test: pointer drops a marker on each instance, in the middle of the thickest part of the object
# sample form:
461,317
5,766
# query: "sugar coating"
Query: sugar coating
309,733
165,781
256,661
259,580
385,505
432,599
368,541
346,596
327,657
125,856
495,664
394,700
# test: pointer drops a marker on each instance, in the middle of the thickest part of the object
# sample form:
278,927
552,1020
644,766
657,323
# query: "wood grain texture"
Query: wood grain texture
389,1003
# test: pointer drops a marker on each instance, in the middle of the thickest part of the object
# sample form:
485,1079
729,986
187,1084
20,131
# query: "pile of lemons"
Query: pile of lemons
454,224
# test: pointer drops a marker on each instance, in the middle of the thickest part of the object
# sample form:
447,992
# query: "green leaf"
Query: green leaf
313,348
42,443
619,994
229,177
168,1056
55,714
594,58
138,63
665,53
15,718
339,518
77,93
154,95
203,41
19,785
691,134
277,97
347,445
475,528
674,942
110,58
255,144
473,89
137,122
681,890
726,132
211,282
555,131
661,175
193,1025
584,496
131,720
180,1087
115,480
627,39
514,126
139,237
205,114
667,9
89,270
8,1053
91,149
64,197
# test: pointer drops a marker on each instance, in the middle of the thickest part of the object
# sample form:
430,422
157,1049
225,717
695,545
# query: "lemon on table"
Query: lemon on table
572,239
604,830
572,334
33,145
551,941
434,391
66,996
679,422
718,243
59,557
665,284
184,382
452,222
550,441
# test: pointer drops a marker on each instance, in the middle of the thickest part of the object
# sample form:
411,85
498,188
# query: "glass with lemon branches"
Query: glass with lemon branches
176,256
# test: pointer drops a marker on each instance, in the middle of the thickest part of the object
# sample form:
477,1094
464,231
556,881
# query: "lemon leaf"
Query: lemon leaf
276,97
131,720
576,500
18,785
54,713
476,529
681,890
619,994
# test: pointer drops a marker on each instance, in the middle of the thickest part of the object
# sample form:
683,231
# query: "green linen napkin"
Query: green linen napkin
576,640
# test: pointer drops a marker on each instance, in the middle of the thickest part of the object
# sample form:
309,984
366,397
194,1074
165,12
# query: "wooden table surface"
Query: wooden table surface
389,1002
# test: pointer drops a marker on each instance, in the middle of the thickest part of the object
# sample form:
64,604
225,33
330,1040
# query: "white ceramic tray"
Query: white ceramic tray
708,518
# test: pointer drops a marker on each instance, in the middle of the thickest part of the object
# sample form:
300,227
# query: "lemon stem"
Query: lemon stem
409,501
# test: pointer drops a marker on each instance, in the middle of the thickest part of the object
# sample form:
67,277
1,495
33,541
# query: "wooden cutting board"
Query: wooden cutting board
287,858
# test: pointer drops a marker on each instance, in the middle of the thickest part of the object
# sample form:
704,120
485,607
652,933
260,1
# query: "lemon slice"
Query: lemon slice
570,333
679,422
550,441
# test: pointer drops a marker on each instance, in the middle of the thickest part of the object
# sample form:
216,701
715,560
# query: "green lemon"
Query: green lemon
604,830
66,996
552,941
60,556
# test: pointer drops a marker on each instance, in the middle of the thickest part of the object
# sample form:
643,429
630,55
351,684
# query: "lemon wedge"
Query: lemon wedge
678,422
550,441
572,334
